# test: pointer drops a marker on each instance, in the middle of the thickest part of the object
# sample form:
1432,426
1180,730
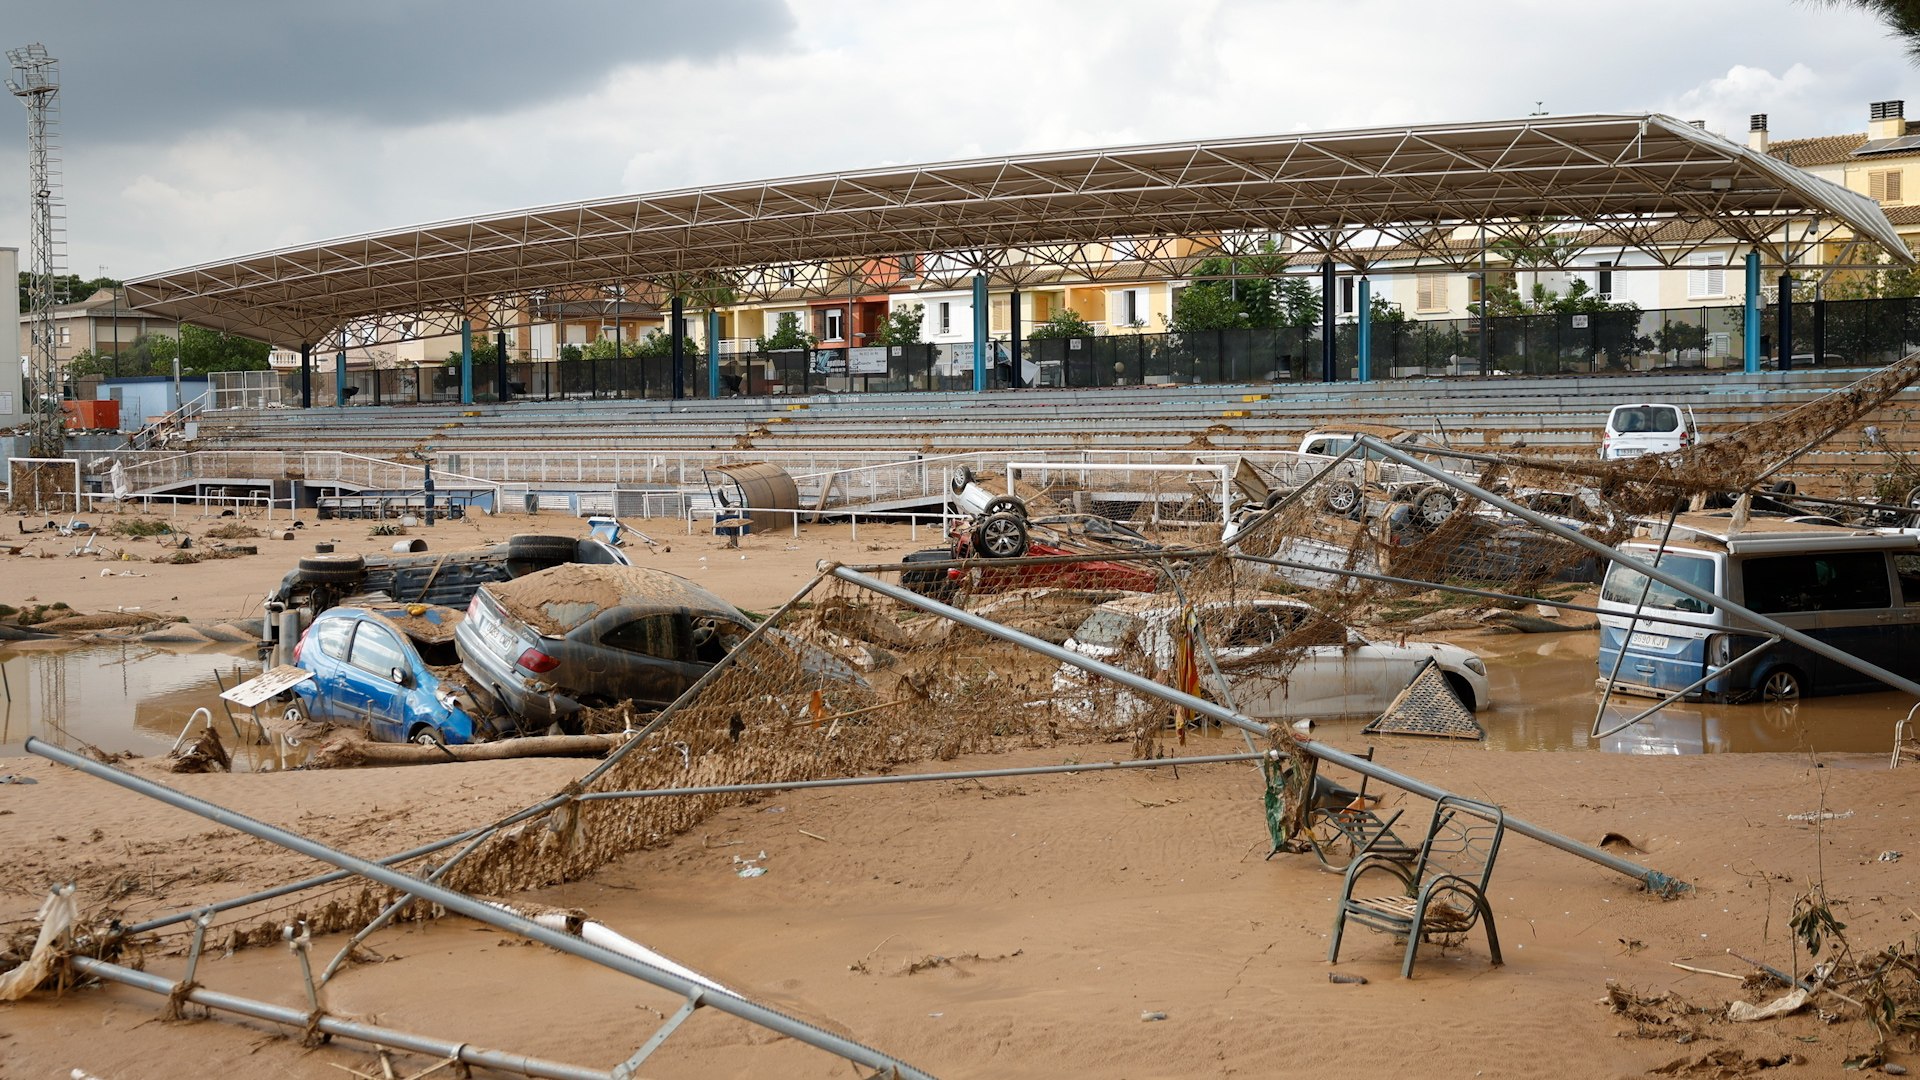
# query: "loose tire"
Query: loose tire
1007,504
530,552
1783,684
331,569
1341,497
1000,536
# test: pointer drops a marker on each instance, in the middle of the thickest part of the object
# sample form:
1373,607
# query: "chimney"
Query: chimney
1886,120
1757,133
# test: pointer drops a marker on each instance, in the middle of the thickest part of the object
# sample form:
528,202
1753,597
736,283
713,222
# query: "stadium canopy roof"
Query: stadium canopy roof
1539,191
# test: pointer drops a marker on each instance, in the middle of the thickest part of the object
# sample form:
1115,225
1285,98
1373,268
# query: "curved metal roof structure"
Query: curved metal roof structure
1612,181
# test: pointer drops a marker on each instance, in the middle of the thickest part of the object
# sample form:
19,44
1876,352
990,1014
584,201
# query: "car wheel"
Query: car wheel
962,476
331,569
1783,684
422,735
1433,505
1001,536
1341,497
1007,504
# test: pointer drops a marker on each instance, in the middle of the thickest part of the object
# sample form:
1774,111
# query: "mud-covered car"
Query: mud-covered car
390,671
552,643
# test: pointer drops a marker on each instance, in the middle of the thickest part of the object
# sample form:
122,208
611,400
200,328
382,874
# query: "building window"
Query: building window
1346,296
943,317
1131,307
1884,185
1603,281
1706,276
1430,292
66,334
833,320
787,276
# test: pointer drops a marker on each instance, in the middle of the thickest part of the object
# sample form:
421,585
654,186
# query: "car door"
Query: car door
648,658
332,697
376,654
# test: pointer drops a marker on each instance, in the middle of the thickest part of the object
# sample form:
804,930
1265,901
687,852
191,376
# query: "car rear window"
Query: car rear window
1820,581
1645,418
1624,583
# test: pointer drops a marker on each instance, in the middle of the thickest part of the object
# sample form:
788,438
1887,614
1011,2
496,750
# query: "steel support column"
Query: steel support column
1327,370
501,391
466,361
1783,343
306,375
1364,335
1750,323
713,353
979,333
340,375
679,348
1014,375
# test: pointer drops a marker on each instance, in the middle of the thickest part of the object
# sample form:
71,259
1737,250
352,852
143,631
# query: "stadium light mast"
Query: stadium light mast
36,82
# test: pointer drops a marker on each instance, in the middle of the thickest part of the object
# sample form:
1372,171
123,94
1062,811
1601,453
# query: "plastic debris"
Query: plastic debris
1784,1005
1149,1015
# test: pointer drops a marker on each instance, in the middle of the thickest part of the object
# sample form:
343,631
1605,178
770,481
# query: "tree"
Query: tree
606,348
571,352
67,288
483,353
1878,284
1065,323
902,326
657,345
1207,305
1902,18
787,334
203,350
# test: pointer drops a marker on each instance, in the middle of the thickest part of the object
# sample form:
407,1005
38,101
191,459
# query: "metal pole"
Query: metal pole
1783,347
1686,588
379,1036
466,361
306,375
980,300
1015,378
1327,371
679,313
1654,880
713,352
914,778
480,911
1364,338
500,392
1750,324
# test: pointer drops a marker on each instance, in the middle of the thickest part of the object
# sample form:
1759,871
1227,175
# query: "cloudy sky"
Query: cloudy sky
202,129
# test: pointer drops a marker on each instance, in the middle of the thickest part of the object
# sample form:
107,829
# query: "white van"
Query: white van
1648,427
1855,589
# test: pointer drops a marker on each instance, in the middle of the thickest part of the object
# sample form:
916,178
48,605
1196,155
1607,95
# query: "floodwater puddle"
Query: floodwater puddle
122,697
1545,697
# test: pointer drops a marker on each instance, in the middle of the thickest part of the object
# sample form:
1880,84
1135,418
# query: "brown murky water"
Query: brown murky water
119,697
133,697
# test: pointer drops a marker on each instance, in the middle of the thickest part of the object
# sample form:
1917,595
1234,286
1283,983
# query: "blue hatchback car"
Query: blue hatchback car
371,670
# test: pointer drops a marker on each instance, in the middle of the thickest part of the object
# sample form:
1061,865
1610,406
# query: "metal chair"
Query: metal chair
1443,890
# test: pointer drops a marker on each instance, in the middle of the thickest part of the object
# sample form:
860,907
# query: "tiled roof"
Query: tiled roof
1820,150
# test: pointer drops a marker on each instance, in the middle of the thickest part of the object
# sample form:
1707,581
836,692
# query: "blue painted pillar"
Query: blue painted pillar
1365,344
1750,347
340,376
979,333
466,361
713,353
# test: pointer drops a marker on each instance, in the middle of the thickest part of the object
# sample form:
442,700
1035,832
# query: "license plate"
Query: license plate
1649,641
500,637
1629,451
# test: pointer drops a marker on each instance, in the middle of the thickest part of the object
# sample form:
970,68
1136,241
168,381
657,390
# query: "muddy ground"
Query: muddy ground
1111,924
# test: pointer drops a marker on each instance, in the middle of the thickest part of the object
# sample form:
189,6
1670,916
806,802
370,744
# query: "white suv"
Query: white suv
1647,428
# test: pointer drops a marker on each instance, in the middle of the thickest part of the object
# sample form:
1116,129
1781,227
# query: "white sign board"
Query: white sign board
867,361
1579,322
263,687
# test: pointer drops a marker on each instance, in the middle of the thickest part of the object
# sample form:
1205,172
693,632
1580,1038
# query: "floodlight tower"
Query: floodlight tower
36,82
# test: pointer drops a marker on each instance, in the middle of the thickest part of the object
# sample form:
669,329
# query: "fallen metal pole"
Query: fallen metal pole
1046,560
914,778
1686,588
368,1033
1654,880
480,911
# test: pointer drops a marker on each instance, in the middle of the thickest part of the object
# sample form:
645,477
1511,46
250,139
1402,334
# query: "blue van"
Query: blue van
1855,589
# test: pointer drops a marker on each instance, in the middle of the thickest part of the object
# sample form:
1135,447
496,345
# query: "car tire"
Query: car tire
1783,684
1342,497
531,552
331,569
1433,505
1000,536
425,735
1007,504
1274,498
962,476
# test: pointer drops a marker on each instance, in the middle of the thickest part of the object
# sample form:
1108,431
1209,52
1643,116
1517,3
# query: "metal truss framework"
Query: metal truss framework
1431,198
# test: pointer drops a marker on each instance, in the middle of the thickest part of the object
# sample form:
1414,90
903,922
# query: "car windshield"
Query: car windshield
1624,584
1646,418
1106,629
